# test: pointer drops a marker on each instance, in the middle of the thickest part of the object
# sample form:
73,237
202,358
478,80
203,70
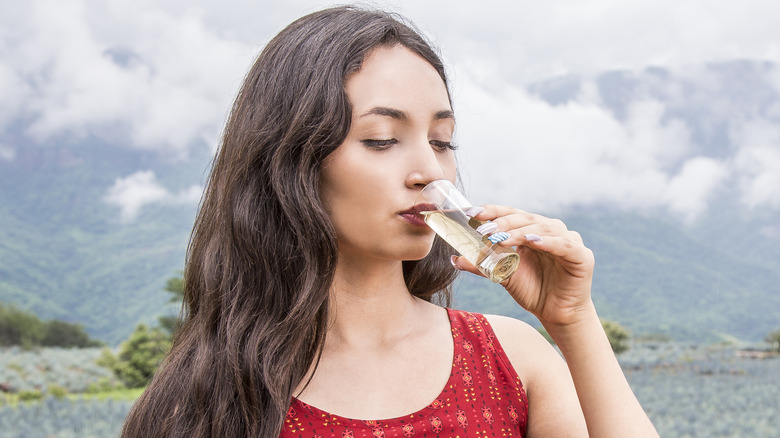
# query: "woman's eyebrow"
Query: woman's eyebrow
446,114
386,111
403,116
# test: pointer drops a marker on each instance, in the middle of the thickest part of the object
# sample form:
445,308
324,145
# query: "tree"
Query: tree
64,334
18,327
174,286
618,336
139,356
773,339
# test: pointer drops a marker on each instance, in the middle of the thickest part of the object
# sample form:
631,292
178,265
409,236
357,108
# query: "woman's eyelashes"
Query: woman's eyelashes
440,146
379,144
443,146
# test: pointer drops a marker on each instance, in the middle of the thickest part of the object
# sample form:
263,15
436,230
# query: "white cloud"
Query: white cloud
162,75
155,81
134,192
532,41
689,191
521,150
757,163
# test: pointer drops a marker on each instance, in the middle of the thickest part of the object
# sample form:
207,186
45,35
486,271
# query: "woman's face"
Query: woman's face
399,140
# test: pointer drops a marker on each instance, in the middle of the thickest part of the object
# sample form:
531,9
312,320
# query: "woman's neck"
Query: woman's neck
370,304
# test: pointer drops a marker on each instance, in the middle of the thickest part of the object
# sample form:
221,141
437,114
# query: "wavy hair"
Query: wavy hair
263,252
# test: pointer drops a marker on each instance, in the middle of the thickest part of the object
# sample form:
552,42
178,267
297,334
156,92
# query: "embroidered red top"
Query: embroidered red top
484,397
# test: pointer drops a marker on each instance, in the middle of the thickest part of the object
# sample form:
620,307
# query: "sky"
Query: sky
161,75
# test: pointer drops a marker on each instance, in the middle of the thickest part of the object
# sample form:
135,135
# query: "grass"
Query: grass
125,394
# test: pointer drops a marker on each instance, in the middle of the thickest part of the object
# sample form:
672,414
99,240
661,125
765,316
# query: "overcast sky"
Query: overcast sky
161,75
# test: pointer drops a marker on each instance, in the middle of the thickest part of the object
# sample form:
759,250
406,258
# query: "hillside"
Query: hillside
67,253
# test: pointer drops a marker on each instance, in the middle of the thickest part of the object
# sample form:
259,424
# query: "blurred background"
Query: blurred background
651,127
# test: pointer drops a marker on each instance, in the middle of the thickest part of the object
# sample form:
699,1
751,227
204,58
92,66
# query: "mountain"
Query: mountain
67,253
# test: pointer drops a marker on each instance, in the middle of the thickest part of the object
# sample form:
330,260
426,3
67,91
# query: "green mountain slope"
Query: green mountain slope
65,254
656,276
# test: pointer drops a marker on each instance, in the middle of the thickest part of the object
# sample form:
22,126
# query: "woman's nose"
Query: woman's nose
425,166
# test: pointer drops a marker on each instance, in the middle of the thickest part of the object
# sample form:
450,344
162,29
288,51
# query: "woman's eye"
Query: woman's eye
442,146
380,144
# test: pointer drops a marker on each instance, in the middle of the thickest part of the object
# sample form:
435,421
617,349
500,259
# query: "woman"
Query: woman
309,278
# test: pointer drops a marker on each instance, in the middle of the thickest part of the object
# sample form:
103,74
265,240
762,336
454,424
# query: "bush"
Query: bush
138,357
57,391
27,396
25,329
618,336
774,340
67,335
18,327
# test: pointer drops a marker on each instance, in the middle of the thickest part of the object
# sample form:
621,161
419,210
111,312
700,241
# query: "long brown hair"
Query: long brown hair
263,250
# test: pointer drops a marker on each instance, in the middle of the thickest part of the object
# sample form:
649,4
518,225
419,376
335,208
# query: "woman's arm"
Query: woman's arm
607,401
553,282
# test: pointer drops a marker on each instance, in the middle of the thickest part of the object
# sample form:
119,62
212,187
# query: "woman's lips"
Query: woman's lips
413,215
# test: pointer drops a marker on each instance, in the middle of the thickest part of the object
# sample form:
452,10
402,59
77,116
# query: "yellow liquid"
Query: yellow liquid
495,262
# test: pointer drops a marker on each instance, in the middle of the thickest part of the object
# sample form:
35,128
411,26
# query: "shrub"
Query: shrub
774,340
618,336
67,335
18,327
27,396
138,357
57,391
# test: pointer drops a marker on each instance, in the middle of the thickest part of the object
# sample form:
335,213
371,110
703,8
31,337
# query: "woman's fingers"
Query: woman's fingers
462,264
501,218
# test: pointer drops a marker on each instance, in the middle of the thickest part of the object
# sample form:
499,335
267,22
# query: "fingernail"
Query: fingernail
499,237
473,211
453,260
533,237
487,228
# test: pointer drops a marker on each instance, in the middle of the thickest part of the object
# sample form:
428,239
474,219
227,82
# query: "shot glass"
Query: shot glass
449,220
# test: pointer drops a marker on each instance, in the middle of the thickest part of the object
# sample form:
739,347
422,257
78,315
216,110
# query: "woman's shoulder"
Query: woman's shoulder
527,350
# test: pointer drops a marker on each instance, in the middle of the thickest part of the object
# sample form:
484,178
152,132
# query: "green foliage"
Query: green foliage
67,335
104,384
773,339
175,287
618,336
138,357
57,391
27,396
18,327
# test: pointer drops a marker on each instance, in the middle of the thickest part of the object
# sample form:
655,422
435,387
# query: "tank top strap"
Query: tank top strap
484,366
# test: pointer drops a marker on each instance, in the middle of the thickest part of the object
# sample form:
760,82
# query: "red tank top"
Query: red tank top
483,397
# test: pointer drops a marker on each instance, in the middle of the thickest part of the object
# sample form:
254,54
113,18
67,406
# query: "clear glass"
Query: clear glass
447,217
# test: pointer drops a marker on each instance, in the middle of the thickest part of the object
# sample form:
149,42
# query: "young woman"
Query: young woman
310,277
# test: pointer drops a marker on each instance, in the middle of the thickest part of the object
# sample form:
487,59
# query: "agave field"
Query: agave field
688,391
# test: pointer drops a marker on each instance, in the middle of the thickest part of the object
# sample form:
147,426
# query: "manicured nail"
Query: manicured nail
453,260
473,211
487,228
499,237
533,237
